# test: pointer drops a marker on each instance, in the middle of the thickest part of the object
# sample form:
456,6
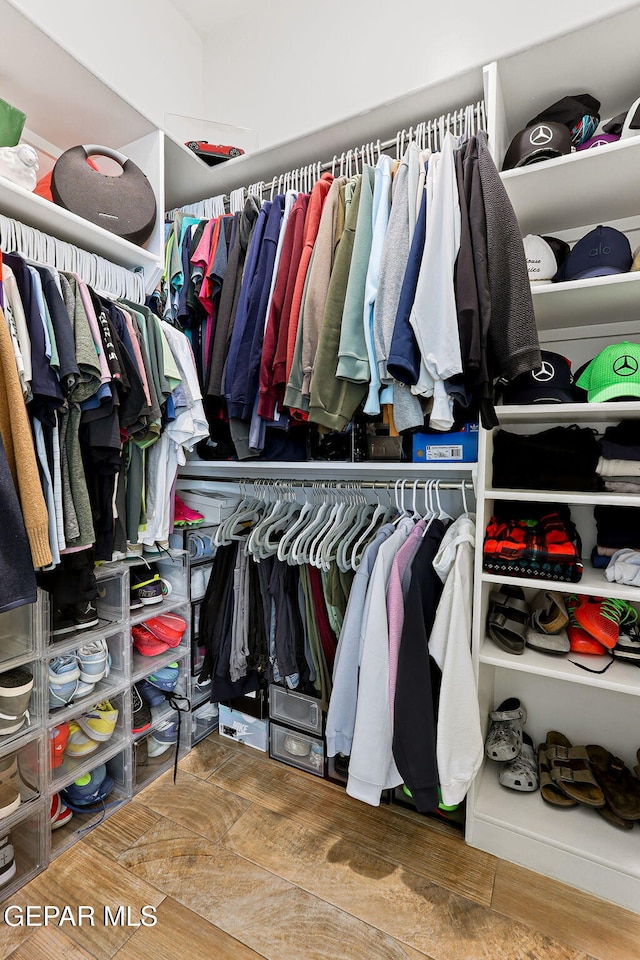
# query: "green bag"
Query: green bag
11,124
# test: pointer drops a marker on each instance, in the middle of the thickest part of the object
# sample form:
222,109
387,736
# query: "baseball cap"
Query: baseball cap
579,112
613,374
544,256
549,383
631,125
602,252
599,140
542,141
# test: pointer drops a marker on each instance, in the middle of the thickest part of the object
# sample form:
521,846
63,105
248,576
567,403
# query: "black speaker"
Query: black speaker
125,204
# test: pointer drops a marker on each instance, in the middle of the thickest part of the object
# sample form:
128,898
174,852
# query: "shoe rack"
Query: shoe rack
27,643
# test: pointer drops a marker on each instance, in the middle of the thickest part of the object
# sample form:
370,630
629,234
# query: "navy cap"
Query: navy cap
600,253
552,382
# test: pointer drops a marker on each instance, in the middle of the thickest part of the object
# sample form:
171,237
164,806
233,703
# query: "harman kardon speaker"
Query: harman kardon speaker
124,204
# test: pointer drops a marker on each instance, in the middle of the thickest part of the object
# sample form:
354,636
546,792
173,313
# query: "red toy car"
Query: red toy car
213,153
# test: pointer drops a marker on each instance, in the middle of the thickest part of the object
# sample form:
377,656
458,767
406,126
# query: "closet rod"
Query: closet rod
457,118
407,483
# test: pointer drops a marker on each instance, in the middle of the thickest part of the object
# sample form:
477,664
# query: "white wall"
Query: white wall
305,65
144,49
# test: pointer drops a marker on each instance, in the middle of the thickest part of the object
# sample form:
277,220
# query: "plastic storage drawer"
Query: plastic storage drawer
295,709
21,630
23,847
297,749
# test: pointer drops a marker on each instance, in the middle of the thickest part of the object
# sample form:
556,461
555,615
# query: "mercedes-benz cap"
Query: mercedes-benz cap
599,140
614,374
544,256
543,141
602,252
551,382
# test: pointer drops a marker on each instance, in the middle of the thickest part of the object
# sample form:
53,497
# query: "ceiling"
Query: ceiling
207,17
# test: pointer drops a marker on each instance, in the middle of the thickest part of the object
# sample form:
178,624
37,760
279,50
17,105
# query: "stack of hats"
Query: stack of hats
602,252
551,382
553,132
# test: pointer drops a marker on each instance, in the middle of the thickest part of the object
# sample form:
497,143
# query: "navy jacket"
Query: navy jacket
404,355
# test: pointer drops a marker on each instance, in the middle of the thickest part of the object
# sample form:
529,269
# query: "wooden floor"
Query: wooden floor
246,858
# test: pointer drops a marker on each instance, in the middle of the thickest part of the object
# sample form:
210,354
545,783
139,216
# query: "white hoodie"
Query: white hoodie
459,743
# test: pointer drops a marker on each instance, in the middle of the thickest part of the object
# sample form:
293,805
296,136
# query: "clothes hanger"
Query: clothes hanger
313,520
378,520
343,522
284,547
361,514
313,547
355,550
318,526
442,513
269,546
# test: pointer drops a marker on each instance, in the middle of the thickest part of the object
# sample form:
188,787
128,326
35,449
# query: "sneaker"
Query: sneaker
602,618
145,642
63,622
79,743
184,516
60,814
85,615
579,640
94,660
166,732
150,694
90,788
141,713
100,722
58,737
155,747
10,798
165,678
148,587
64,676
168,627
628,645
7,860
16,687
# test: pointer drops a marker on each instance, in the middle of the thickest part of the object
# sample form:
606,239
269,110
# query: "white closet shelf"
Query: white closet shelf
560,496
324,470
35,211
592,186
543,413
593,584
621,677
589,301
579,833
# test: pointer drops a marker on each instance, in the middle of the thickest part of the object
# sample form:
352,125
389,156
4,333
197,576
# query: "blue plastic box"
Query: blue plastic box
460,446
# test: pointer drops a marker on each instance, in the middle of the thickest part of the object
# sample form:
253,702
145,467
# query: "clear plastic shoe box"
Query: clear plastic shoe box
34,717
119,654
298,749
22,631
23,764
295,709
142,665
25,855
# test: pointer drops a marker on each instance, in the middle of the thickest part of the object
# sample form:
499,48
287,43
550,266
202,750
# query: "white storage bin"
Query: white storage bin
213,505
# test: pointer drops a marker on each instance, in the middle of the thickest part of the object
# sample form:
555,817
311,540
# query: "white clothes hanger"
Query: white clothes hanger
284,547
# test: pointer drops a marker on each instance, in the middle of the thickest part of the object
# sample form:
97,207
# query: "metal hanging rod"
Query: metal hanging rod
427,134
346,485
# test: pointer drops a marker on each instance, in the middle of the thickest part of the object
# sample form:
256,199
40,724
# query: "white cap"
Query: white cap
631,125
541,261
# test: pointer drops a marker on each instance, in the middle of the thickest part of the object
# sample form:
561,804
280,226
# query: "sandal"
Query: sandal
548,790
546,632
571,771
521,773
504,739
620,787
508,618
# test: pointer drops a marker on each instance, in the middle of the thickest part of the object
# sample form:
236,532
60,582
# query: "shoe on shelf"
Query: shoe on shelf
156,748
58,737
85,615
10,798
89,789
603,618
580,640
166,732
165,679
63,622
148,587
7,860
145,642
64,677
168,627
504,739
16,687
100,722
60,814
141,712
95,661
79,743
184,516
522,773
150,694
628,645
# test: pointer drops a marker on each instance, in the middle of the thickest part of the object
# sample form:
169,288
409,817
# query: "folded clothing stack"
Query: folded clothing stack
619,465
562,458
617,528
523,540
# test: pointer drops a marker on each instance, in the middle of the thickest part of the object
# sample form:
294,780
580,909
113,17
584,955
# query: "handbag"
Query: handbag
124,205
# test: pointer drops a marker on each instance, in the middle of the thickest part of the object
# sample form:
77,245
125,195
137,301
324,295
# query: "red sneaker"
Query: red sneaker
184,516
58,737
602,618
167,627
145,642
60,812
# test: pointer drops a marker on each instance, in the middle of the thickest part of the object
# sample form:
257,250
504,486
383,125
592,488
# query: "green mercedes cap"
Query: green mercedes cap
613,374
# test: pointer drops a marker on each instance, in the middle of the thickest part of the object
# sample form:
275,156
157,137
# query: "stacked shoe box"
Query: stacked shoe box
160,667
296,730
23,829
245,719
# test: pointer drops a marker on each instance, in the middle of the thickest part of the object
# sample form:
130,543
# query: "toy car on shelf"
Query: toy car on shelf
213,153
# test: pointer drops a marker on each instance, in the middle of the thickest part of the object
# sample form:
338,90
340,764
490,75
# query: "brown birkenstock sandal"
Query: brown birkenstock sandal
548,789
571,771
607,814
621,789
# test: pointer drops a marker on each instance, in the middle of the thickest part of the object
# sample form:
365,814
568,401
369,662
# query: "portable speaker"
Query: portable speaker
125,204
